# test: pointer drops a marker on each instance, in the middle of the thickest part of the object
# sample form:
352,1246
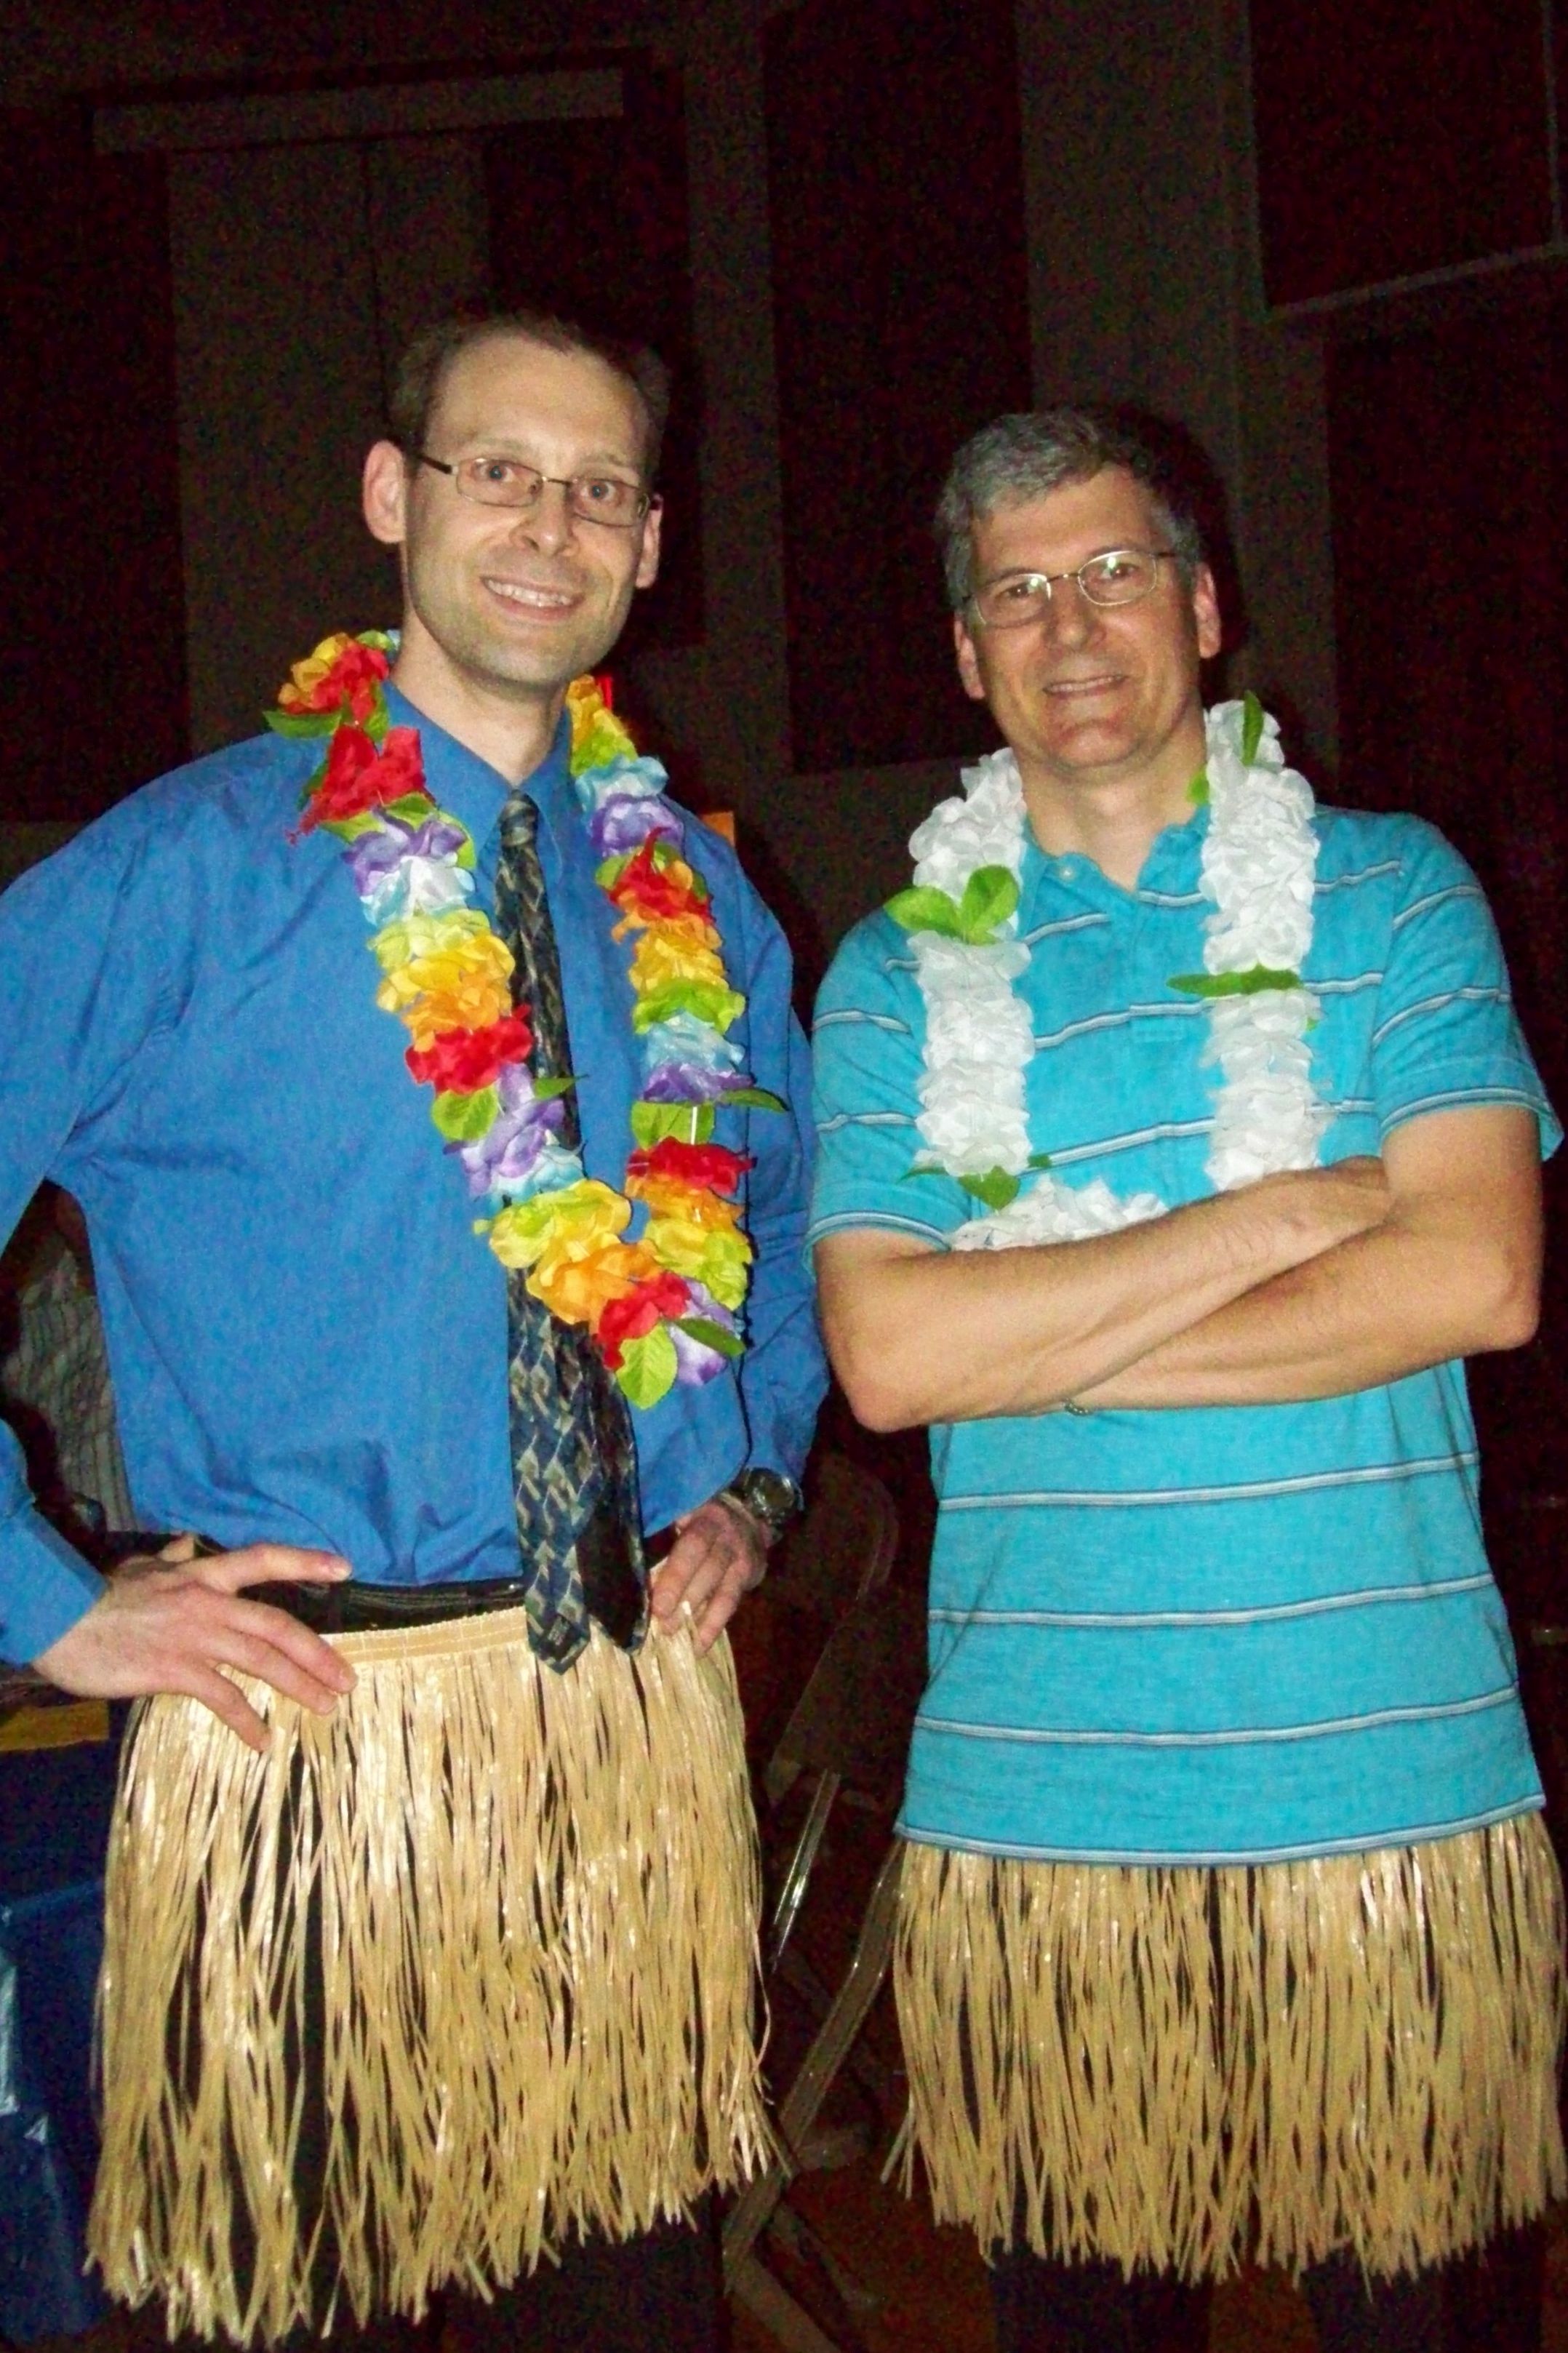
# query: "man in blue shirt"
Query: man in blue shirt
1177,1142
444,1964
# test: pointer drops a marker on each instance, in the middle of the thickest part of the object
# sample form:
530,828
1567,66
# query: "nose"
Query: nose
549,523
1071,618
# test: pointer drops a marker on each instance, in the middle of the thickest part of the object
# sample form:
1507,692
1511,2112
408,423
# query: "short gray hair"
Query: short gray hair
1024,457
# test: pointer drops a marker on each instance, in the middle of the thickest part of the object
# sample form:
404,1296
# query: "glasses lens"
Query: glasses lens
1008,603
498,482
605,497
1119,578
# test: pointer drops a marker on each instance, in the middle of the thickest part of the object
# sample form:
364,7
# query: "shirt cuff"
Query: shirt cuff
45,1586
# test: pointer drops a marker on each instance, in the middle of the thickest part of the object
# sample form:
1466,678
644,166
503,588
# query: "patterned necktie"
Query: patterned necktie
573,1456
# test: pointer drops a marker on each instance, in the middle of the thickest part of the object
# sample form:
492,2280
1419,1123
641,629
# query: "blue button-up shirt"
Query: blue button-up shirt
308,1339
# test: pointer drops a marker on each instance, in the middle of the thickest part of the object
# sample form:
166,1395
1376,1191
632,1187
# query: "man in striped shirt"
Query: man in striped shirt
1230,1927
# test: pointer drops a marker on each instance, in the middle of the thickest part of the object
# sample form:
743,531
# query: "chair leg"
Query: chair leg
754,2285
862,1980
802,1860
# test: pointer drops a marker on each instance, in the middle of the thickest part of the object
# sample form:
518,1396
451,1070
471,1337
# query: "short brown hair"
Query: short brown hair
423,368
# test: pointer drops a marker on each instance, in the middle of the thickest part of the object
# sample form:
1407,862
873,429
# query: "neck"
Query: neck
511,729
1112,817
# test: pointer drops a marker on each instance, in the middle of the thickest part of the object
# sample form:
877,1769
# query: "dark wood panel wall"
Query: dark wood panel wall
93,678
1396,137
901,309
590,220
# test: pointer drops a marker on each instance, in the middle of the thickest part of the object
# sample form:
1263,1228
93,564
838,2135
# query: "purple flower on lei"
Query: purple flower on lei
401,869
695,1361
695,1083
623,821
518,1137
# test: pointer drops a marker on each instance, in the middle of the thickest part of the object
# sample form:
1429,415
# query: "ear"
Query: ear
385,494
648,562
1206,613
968,660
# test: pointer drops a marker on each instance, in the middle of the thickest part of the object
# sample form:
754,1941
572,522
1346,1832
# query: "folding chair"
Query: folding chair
850,1727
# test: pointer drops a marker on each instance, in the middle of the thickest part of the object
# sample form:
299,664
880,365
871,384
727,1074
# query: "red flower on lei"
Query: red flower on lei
706,1167
356,778
646,892
353,681
461,1062
630,1318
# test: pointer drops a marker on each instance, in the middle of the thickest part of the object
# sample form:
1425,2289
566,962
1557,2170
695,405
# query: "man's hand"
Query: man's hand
718,1555
175,1622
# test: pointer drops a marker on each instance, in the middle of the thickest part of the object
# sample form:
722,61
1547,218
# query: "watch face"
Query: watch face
774,1498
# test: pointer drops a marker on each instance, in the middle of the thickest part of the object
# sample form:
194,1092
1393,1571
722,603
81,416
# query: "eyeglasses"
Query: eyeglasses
1122,576
508,482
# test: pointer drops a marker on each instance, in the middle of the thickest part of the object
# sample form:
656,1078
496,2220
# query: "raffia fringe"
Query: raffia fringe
537,1903
1188,2068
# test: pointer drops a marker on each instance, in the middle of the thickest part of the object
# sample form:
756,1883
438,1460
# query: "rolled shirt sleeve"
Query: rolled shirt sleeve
1447,1036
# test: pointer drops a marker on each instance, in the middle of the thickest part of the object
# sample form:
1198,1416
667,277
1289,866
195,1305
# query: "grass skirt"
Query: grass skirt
456,1972
1188,2068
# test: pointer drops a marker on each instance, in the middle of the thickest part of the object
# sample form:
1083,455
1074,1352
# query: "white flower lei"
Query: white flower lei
1259,859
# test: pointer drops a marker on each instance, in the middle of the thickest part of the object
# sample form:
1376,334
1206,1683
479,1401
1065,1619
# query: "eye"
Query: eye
606,494
1028,589
1117,569
494,473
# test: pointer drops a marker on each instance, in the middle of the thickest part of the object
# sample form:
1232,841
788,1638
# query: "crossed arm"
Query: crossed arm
1302,1285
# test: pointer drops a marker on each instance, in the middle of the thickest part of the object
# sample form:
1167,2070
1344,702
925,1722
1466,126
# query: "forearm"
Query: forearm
1417,1291
919,1336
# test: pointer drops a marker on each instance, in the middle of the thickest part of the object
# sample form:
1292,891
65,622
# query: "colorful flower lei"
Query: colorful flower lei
663,1304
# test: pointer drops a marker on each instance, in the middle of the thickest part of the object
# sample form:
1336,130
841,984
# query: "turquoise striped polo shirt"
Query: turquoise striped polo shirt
1218,1634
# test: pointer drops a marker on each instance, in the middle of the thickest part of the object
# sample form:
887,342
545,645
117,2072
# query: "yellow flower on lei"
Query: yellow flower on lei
597,735
718,1260
308,673
577,1219
660,958
694,1204
578,1290
464,987
412,936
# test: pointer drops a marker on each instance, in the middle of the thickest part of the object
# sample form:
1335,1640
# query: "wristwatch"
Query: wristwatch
770,1498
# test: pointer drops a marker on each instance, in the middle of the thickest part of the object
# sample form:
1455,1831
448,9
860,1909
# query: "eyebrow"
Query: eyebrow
1042,571
504,445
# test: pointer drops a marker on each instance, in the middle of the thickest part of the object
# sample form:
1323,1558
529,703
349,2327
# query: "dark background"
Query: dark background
1330,239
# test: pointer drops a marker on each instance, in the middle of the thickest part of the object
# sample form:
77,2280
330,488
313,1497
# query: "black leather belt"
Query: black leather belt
353,1606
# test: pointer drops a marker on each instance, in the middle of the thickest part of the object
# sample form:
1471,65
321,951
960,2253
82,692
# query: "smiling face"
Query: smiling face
1091,696
503,609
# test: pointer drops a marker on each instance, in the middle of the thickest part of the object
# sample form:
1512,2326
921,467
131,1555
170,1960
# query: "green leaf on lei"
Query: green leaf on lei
1039,1159
1251,727
710,1335
1258,979
1198,790
755,1099
348,829
925,910
990,896
648,1366
546,1089
463,1118
412,808
995,1190
687,1123
609,870
709,1000
301,722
